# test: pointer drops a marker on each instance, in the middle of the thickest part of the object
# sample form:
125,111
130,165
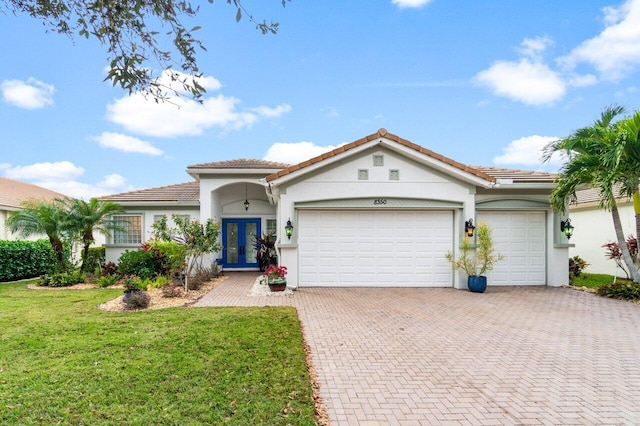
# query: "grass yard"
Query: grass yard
595,280
63,361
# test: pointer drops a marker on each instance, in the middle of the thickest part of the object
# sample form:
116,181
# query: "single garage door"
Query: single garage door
374,248
520,237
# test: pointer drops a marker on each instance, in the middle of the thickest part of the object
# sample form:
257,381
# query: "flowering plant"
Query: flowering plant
274,272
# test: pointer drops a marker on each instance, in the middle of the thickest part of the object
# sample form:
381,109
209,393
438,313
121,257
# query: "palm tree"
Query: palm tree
41,217
599,156
86,217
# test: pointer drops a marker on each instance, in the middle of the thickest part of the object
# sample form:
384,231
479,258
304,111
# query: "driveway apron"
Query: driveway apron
510,356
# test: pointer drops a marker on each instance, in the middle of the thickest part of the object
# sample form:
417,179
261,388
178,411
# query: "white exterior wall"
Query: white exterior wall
593,228
113,251
340,182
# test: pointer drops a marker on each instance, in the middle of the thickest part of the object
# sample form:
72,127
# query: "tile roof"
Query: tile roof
188,191
592,195
13,192
242,163
380,133
518,176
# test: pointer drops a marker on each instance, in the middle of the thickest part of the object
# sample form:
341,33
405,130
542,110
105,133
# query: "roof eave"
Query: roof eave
155,203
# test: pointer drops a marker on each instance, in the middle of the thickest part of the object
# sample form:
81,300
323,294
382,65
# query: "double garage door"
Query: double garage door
374,248
407,248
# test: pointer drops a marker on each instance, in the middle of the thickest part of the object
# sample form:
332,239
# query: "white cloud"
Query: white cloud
410,3
58,171
183,116
63,177
296,152
32,94
527,151
126,143
534,47
114,181
532,83
615,52
272,112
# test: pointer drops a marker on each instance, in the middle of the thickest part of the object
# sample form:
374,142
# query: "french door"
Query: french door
239,243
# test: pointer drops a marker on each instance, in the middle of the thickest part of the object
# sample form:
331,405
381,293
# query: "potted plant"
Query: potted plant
475,261
276,277
131,285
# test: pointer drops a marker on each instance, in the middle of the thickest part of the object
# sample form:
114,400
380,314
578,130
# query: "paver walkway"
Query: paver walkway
510,356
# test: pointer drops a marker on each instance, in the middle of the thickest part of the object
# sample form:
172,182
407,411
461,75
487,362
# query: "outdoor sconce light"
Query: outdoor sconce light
468,228
246,199
288,230
566,228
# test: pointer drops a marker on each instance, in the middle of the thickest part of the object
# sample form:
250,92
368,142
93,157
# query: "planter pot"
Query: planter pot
278,284
477,284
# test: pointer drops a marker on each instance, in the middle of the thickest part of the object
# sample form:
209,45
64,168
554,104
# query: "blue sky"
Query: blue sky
484,83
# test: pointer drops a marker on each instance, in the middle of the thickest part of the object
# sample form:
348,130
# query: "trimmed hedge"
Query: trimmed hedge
25,259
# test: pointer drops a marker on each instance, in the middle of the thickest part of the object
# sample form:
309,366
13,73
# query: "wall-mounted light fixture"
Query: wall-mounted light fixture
288,230
246,200
468,228
566,228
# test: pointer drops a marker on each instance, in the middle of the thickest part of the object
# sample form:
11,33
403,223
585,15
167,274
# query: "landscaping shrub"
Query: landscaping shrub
25,259
137,300
172,290
107,280
576,265
108,268
624,290
174,254
159,282
145,264
94,259
62,279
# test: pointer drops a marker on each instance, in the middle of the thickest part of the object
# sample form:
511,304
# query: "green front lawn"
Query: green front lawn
62,360
595,280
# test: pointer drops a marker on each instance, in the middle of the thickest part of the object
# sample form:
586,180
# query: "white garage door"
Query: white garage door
375,249
520,237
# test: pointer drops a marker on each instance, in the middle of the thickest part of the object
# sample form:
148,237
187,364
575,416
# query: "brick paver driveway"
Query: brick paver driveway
509,356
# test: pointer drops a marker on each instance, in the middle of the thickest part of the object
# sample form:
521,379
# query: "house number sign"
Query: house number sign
379,202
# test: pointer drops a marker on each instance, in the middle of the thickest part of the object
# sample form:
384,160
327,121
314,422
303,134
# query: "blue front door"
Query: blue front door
239,243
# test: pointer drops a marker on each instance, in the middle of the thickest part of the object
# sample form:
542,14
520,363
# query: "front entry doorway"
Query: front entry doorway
239,242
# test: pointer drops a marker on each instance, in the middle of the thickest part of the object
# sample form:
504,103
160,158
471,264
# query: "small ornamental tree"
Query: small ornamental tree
614,253
199,240
483,260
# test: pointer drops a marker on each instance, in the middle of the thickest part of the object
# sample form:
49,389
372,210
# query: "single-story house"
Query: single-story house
12,194
379,211
594,227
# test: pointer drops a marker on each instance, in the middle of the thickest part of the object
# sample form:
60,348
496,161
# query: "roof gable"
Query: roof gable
381,135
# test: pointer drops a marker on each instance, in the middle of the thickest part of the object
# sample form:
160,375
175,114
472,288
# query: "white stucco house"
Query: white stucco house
379,211
594,227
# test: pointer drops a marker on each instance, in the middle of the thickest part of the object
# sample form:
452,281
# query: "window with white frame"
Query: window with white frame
272,226
128,229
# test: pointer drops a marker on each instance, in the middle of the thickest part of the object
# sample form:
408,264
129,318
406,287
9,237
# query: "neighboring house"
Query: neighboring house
594,227
380,211
12,194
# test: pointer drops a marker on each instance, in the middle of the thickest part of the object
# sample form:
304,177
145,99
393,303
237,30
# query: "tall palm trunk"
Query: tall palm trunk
622,243
636,209
58,251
